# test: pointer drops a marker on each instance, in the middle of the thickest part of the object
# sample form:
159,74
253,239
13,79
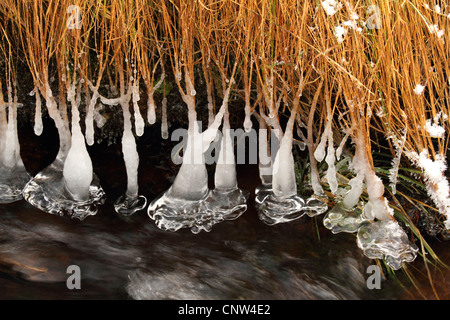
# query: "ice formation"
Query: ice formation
77,171
13,175
68,186
279,202
138,120
189,203
89,121
131,201
386,240
38,126
349,214
339,219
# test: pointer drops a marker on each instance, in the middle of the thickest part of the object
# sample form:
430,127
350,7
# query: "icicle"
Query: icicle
151,109
284,182
9,155
225,175
341,145
319,153
139,121
89,121
164,124
247,121
189,203
63,130
68,186
265,159
131,158
38,126
330,159
130,155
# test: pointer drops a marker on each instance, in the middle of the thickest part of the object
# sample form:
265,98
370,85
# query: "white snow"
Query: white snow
436,183
434,29
340,33
434,129
419,89
331,6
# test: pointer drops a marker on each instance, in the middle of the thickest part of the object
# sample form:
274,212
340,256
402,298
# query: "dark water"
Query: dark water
132,259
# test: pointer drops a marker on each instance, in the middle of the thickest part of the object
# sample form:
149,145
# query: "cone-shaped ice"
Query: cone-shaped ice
13,175
191,182
78,170
282,203
226,201
68,186
189,203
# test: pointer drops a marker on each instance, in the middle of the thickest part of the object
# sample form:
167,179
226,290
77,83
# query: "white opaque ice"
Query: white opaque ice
78,167
283,181
330,159
191,182
151,110
138,120
352,197
90,119
131,158
11,151
38,126
225,174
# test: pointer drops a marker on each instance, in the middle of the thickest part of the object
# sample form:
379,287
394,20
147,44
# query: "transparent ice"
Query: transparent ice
340,219
47,192
386,240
